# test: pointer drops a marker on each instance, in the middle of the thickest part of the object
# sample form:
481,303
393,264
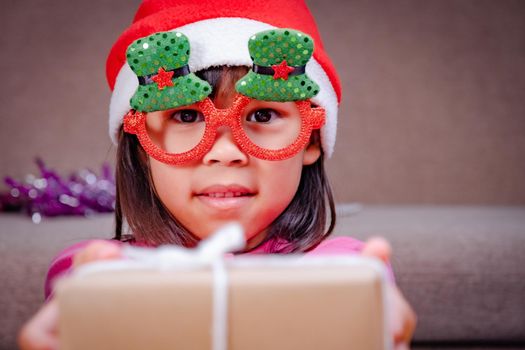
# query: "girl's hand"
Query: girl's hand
41,331
402,317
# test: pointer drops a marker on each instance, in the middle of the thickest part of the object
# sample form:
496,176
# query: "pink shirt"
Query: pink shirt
61,264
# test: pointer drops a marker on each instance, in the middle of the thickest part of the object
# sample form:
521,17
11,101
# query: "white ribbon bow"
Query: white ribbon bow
227,239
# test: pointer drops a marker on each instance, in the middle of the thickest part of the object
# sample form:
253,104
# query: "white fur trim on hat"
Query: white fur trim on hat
224,41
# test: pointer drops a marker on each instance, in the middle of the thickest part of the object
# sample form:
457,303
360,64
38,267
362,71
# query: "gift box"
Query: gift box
245,302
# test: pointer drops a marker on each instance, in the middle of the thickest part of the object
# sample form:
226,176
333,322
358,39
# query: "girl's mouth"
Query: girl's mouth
225,194
225,197
227,191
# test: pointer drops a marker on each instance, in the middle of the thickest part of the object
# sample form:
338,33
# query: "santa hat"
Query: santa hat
218,32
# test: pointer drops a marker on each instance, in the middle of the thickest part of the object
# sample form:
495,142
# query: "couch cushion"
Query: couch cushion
26,250
462,268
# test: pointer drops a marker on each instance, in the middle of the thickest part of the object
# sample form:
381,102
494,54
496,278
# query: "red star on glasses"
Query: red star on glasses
282,70
163,78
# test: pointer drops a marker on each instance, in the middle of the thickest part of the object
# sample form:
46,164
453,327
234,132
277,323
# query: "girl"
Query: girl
221,113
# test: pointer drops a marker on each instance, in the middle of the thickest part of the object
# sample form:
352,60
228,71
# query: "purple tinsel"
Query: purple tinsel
83,193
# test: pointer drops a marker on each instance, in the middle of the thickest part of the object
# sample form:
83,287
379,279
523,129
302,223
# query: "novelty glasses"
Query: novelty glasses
263,129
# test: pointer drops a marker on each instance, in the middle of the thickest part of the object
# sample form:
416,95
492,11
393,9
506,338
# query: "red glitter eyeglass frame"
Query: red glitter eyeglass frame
312,118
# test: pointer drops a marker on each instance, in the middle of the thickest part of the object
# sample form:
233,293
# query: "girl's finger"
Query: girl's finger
403,318
99,250
401,346
41,332
378,247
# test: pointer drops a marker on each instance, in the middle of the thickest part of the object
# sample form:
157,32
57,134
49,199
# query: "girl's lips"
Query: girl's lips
225,196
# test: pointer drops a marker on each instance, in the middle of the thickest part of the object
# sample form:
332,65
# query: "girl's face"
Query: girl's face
229,185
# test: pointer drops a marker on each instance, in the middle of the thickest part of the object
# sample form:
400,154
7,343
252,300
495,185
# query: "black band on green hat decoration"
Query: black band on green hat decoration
279,59
160,62
178,72
271,71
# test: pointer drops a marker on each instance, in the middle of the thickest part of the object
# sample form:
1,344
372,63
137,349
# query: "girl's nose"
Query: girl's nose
225,150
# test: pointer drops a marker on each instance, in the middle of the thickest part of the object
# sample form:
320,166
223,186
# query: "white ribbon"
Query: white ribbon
209,253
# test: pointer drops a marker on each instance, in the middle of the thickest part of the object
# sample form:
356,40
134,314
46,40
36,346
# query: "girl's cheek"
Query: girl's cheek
170,182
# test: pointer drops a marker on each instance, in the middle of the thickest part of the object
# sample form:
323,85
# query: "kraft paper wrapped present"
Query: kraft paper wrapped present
175,298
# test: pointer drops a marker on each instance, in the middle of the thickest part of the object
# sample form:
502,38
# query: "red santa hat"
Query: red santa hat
218,32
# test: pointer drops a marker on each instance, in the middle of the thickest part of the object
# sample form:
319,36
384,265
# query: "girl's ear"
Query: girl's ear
311,153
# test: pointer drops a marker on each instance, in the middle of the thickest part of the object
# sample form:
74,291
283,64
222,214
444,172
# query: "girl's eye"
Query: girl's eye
187,116
263,115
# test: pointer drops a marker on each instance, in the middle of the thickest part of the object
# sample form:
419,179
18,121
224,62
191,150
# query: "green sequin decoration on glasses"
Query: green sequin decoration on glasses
153,58
281,49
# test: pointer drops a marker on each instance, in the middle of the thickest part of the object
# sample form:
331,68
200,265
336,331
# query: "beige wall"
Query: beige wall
433,94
